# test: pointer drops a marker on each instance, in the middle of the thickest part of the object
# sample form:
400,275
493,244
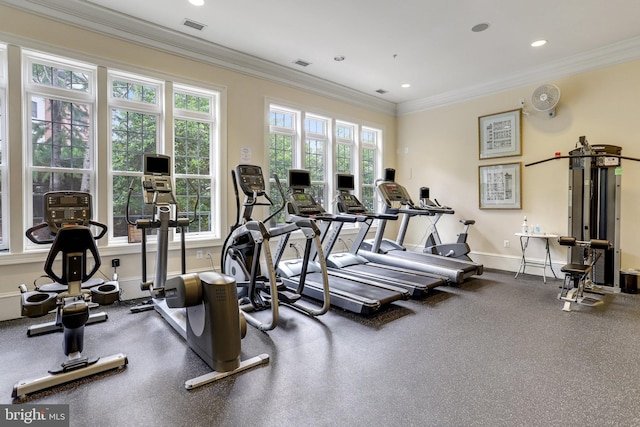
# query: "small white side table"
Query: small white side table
524,263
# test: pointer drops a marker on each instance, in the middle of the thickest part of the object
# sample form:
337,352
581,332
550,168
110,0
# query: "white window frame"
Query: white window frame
215,154
157,109
31,89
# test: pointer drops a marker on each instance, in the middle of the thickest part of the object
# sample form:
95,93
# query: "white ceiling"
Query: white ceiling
427,43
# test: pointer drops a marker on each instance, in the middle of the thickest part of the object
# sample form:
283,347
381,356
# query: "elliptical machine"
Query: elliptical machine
68,218
201,307
434,245
249,240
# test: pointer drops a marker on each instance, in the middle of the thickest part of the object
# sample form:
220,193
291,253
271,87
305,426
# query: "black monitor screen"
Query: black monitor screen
299,178
390,174
345,182
157,164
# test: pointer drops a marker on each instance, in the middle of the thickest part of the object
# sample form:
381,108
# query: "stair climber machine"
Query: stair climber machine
201,307
249,242
433,245
388,252
417,283
68,228
358,295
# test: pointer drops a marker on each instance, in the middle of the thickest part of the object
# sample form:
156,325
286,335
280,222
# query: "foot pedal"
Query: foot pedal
105,294
36,303
288,297
589,302
72,365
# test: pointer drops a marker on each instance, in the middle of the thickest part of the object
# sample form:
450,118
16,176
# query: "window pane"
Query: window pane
316,126
134,92
187,191
132,135
343,158
344,132
192,147
60,78
281,119
368,166
60,133
44,182
192,103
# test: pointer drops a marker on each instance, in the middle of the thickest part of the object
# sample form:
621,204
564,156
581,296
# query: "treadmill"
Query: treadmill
361,296
416,282
388,252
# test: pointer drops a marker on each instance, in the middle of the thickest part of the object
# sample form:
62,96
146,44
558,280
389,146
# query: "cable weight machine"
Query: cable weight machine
594,210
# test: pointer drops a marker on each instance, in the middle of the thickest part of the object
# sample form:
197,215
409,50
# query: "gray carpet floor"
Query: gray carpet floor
494,351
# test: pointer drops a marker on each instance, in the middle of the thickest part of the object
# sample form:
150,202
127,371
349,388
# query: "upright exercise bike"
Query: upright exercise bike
67,228
434,245
202,307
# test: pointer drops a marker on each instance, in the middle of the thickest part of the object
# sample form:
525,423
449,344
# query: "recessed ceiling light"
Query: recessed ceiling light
406,85
479,27
197,2
539,43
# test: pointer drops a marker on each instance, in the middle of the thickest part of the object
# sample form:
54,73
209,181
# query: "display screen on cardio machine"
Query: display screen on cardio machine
65,208
305,205
152,184
250,179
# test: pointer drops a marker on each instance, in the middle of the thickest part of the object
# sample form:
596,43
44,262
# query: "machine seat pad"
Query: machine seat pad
576,269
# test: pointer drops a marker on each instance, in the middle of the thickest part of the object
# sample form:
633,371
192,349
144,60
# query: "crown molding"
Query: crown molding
605,56
85,15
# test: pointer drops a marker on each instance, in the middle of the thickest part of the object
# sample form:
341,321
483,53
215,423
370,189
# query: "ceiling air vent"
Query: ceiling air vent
382,91
302,63
193,24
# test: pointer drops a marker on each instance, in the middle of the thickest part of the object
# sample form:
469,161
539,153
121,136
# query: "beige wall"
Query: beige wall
244,127
442,153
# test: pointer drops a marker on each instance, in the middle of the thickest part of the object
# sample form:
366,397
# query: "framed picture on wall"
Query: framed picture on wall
500,134
500,186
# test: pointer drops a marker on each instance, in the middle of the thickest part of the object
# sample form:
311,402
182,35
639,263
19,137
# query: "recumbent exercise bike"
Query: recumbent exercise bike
67,228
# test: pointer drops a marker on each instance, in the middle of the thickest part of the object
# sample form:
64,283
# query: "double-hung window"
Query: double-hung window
316,143
195,151
60,99
136,119
324,146
370,140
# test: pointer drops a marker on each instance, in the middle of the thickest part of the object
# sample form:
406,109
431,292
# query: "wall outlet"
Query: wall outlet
198,254
507,244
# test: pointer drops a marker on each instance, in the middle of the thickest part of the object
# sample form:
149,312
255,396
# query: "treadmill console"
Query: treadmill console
304,204
66,208
392,192
349,204
251,180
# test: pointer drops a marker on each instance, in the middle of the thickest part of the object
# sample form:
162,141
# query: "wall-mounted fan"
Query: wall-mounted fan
545,98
